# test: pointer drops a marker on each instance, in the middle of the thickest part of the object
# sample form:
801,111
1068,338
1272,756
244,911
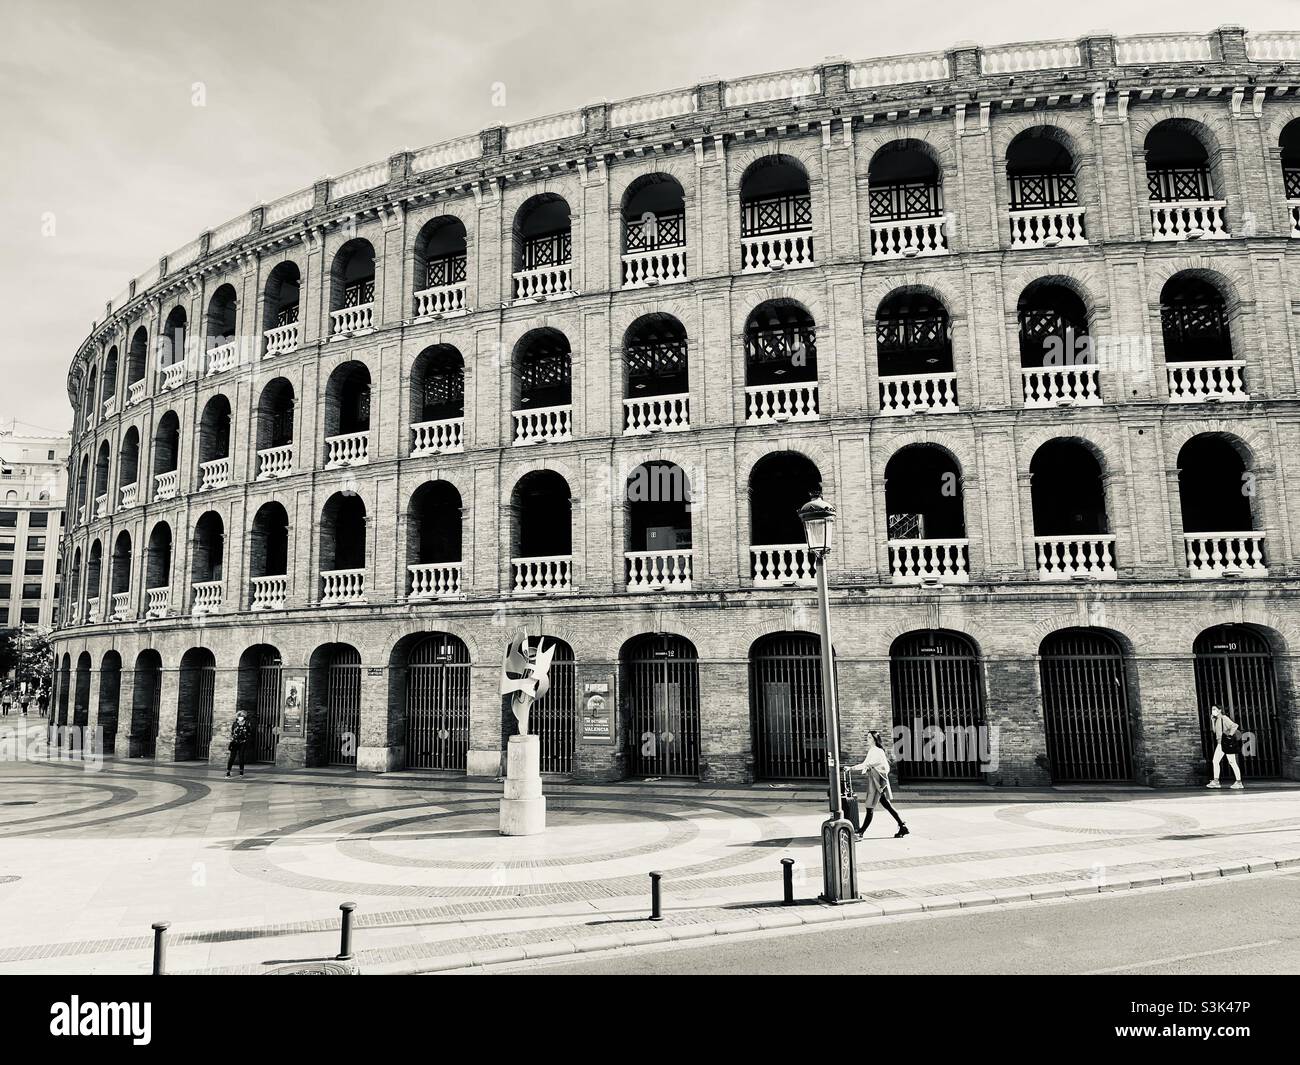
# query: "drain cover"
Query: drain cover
315,968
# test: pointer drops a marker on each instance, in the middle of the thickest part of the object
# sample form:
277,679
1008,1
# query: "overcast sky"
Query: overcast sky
103,144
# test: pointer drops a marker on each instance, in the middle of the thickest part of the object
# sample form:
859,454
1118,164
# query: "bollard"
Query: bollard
656,902
160,947
787,878
345,942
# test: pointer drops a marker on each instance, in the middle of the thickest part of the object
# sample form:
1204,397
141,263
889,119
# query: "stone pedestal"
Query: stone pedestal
523,808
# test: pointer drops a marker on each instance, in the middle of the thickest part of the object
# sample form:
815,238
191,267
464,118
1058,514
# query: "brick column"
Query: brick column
726,749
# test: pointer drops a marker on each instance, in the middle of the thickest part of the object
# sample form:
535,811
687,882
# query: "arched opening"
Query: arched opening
553,718
657,509
275,416
65,682
146,698
787,715
268,557
436,678
775,215
198,674
214,444
108,383
660,686
1044,190
1058,366
352,288
128,472
110,691
1197,332
937,688
440,265
654,231
779,484
120,577
1184,182
1072,538
543,248
541,556
1234,671
258,692
1216,494
343,549
334,706
94,581
221,324
90,408
905,201
347,415
83,488
137,364
73,590
656,384
780,363
102,462
437,401
433,541
81,696
1289,146
171,345
166,455
1085,707
542,387
206,572
280,308
925,511
914,353
158,571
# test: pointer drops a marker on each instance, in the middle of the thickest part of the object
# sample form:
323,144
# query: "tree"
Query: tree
25,653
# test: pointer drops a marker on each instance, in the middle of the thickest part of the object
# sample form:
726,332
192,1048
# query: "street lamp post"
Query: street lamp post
839,851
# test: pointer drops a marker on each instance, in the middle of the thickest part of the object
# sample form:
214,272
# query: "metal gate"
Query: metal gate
144,737
205,691
938,696
1234,671
343,707
266,713
1085,708
661,693
787,714
437,704
553,718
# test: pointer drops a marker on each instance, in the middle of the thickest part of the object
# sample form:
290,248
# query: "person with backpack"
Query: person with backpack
1227,742
240,729
875,770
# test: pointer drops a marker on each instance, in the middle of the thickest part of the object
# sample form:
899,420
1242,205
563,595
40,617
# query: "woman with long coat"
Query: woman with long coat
875,771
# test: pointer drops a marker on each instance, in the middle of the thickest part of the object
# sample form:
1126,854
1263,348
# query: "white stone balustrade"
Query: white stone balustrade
761,88
544,283
444,436
214,474
659,571
158,602
441,301
656,414
347,321
118,605
1036,55
910,239
274,462
646,269
135,393
81,514
1293,212
222,358
110,406
771,404
782,566
779,251
544,425
269,593
130,495
946,561
541,575
342,586
540,130
208,596
1151,48
1063,558
918,393
101,505
900,70
170,377
165,485
282,339
435,580
1214,554
92,609
1189,220
1197,382
1047,227
1062,386
653,108
347,449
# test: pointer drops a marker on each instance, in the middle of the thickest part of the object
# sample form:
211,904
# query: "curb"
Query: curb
808,915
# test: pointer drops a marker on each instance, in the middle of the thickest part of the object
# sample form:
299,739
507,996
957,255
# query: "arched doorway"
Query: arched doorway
787,713
260,697
938,696
110,688
553,718
194,705
661,696
334,731
1085,707
437,704
146,701
1234,671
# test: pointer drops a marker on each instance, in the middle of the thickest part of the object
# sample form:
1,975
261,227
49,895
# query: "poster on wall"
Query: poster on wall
295,691
597,714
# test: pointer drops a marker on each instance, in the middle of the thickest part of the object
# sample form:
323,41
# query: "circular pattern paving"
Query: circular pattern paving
1097,819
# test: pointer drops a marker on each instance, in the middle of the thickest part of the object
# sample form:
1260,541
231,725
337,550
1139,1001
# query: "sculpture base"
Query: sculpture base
523,807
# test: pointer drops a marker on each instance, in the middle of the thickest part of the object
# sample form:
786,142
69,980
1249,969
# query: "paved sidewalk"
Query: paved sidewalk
250,871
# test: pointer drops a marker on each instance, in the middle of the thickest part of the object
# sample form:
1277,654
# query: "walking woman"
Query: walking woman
1227,741
875,770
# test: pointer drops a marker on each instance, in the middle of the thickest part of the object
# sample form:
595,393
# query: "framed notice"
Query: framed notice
291,713
597,714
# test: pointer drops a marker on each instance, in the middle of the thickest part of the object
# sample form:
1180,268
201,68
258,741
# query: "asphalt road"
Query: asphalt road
1248,924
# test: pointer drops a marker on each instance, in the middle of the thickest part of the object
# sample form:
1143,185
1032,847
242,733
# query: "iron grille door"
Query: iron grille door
661,690
343,708
207,685
1085,709
437,705
155,716
787,712
1234,671
266,716
553,718
145,739
937,691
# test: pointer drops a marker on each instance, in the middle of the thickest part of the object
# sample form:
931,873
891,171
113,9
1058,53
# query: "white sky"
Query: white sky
100,133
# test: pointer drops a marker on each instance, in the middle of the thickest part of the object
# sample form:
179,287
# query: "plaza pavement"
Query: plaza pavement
250,872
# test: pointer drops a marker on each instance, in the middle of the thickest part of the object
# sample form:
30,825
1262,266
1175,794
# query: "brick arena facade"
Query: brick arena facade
1026,314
